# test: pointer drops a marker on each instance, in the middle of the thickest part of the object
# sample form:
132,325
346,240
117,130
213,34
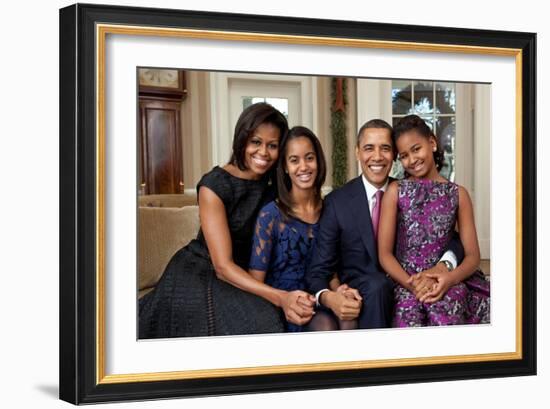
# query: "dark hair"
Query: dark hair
284,184
377,124
417,124
249,120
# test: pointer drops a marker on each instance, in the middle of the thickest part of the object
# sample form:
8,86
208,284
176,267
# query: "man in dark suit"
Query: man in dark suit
346,243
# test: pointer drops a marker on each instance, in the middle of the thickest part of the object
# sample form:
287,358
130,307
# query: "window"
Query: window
280,104
435,102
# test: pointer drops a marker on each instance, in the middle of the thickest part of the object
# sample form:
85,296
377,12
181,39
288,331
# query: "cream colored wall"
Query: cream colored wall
481,191
196,129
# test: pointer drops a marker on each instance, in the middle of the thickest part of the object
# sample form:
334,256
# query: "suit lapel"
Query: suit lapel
360,210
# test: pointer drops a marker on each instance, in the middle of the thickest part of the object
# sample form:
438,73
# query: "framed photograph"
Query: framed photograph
149,99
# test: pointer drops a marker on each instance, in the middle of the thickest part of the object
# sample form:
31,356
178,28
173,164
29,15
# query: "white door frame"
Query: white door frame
222,126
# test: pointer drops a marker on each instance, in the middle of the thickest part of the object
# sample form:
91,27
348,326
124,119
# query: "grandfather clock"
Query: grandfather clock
161,93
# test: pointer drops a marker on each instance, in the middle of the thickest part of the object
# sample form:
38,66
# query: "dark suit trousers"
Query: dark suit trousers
377,293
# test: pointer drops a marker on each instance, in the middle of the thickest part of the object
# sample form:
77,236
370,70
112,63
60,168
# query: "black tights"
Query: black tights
327,321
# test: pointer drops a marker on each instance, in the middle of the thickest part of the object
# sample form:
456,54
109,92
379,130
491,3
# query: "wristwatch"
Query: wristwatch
448,265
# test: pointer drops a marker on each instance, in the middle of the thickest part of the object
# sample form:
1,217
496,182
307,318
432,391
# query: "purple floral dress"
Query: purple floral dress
427,212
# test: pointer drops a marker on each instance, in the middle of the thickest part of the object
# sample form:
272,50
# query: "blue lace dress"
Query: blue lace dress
282,248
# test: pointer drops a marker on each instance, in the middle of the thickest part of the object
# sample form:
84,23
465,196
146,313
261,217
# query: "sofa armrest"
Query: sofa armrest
162,231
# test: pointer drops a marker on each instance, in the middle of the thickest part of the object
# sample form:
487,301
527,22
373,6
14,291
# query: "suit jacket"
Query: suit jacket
345,242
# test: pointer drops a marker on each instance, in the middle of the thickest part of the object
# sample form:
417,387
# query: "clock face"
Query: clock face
158,78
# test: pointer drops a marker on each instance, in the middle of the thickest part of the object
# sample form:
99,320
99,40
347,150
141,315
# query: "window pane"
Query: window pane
279,103
429,121
423,98
445,98
446,133
397,171
401,97
247,101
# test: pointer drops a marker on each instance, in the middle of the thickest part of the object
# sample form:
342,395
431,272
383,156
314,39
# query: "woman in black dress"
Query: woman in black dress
206,289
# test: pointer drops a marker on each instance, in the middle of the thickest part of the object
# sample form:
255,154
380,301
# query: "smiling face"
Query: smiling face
301,163
416,153
375,154
262,150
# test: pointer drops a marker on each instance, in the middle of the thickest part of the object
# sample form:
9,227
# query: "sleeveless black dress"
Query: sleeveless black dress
189,300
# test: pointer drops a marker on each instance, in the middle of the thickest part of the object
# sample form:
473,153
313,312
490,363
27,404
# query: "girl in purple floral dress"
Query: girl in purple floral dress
418,218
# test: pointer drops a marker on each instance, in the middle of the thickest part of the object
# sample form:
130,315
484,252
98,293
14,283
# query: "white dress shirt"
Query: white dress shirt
371,192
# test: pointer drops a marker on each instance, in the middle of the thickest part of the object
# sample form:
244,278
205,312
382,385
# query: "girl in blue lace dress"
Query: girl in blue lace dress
286,228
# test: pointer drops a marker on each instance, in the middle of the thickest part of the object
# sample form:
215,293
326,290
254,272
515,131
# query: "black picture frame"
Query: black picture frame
80,361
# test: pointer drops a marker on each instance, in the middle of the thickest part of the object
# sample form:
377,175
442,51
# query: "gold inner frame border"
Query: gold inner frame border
102,30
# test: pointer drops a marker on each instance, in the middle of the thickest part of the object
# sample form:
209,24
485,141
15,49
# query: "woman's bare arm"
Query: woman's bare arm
215,228
257,274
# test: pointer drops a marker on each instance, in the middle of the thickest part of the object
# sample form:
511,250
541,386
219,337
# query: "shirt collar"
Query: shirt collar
370,189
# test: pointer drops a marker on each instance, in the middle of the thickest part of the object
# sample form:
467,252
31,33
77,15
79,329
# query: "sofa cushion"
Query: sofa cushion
162,231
